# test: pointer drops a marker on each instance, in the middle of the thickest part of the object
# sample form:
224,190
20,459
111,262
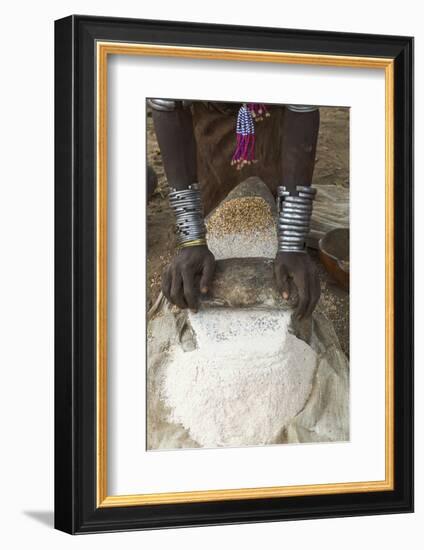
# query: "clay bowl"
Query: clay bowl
334,255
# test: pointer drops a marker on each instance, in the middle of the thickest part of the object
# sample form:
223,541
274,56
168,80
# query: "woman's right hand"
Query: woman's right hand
190,271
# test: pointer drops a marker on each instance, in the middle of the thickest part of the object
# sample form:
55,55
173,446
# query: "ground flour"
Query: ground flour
245,381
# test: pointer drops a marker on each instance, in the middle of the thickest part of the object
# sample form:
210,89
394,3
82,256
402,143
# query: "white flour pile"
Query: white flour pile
245,381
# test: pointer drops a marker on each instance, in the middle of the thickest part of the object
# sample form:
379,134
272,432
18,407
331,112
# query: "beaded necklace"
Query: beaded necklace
248,114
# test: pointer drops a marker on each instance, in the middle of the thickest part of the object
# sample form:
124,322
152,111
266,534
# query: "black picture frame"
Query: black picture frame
76,510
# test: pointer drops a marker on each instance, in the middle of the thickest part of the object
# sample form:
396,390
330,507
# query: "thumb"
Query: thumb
282,279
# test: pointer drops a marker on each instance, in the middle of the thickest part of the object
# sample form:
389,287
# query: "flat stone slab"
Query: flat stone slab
244,224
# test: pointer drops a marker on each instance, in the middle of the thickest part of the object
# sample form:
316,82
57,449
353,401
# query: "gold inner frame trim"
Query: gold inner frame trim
103,50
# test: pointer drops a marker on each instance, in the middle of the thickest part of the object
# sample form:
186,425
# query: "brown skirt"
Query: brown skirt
214,129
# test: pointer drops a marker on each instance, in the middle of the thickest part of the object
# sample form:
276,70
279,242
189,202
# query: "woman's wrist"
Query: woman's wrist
189,220
294,218
189,244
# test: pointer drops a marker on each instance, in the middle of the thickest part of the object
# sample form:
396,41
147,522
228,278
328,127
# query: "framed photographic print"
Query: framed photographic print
233,265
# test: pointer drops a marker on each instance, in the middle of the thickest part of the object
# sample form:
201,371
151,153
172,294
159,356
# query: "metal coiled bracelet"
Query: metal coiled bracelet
294,217
188,209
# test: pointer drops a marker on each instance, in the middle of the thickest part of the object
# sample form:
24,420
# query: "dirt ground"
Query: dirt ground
332,167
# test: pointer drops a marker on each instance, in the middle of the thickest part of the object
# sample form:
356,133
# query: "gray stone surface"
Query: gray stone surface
235,236
246,282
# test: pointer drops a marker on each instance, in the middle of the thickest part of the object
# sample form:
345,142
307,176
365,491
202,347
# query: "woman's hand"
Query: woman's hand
192,269
299,267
